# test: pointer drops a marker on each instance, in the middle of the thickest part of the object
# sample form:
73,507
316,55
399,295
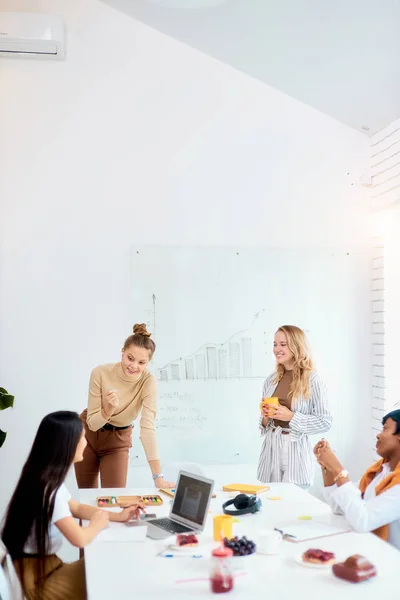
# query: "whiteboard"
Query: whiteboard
213,312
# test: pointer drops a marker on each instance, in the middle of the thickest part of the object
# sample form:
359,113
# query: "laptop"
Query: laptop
189,508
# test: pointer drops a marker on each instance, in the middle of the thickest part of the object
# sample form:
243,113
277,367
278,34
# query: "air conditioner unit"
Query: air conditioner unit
32,35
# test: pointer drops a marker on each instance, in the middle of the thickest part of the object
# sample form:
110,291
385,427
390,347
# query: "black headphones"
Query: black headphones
244,504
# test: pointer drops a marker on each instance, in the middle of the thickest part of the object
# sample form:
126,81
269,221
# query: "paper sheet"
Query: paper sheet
308,531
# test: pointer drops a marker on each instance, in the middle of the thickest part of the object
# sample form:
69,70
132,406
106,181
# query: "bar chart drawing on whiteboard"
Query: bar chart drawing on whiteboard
231,359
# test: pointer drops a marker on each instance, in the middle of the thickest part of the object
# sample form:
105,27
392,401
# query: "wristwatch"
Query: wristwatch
341,475
157,476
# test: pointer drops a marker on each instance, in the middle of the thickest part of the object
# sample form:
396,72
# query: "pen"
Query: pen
191,556
285,535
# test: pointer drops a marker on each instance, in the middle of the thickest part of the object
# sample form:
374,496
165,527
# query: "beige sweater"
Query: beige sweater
136,394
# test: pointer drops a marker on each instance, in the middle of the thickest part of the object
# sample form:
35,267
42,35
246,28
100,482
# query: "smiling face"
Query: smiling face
281,350
388,442
134,360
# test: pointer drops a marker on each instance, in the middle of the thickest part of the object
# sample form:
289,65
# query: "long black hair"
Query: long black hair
31,507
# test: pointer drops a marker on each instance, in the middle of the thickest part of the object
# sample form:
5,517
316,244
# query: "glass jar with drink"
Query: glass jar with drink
221,576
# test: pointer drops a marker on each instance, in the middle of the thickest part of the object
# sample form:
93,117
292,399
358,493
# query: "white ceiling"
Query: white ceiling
341,57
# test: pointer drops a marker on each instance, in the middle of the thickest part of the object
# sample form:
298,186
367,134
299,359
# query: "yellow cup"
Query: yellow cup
223,527
269,402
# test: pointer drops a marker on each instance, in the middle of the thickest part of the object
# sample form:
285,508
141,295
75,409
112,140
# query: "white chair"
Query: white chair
10,587
5,589
172,469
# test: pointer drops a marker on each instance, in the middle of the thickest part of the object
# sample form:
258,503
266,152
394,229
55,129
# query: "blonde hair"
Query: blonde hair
302,362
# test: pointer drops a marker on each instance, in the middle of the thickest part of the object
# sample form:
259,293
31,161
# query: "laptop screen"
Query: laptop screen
191,499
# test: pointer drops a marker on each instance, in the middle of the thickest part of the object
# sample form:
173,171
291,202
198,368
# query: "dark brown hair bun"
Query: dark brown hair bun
141,338
141,329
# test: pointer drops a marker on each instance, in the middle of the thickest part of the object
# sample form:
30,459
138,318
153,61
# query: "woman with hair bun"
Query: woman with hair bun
118,392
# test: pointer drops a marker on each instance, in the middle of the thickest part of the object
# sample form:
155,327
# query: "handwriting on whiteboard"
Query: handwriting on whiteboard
178,411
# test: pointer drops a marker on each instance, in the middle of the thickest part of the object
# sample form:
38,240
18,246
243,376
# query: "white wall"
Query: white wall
385,222
384,165
379,392
136,138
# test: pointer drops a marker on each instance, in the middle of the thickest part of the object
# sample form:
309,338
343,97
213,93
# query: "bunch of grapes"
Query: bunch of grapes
240,547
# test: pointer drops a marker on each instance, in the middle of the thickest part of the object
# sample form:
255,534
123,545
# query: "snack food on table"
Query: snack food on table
356,568
318,557
240,546
186,539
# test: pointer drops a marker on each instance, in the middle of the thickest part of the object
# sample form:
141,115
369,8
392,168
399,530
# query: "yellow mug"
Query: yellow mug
223,527
269,402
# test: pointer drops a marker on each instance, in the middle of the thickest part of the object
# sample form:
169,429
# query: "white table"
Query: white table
117,570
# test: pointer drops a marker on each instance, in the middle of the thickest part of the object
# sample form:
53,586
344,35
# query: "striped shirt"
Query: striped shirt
311,416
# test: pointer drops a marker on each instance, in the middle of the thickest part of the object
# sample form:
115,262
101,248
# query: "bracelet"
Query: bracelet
341,475
157,476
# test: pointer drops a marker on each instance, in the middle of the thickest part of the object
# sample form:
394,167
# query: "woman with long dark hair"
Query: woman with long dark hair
41,512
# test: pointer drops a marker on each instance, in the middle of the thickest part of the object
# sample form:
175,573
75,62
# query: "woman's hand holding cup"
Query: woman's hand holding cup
268,407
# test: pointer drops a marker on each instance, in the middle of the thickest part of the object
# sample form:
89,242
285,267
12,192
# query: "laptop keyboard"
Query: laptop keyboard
171,526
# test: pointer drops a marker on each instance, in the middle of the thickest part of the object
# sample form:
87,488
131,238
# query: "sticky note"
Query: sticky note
304,518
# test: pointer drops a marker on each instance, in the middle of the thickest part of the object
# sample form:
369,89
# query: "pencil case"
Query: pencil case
123,501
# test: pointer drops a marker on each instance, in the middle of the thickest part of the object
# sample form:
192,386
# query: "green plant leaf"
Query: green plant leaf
6,400
3,436
3,391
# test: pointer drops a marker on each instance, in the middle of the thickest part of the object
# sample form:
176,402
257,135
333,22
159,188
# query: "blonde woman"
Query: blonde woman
286,453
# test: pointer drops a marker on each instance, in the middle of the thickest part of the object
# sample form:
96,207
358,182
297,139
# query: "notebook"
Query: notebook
301,532
244,488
